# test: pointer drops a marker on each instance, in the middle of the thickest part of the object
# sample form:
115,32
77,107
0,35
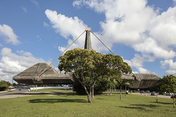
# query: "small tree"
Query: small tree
3,85
121,82
169,85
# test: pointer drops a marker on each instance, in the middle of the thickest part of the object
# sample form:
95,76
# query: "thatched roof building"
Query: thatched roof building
49,76
140,81
43,73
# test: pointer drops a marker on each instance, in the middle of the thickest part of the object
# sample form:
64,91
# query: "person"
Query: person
126,92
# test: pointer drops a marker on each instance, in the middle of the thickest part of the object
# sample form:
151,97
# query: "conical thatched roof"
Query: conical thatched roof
140,81
48,76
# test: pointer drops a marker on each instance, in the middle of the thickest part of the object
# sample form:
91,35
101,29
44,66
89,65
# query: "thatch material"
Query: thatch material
49,76
140,77
140,81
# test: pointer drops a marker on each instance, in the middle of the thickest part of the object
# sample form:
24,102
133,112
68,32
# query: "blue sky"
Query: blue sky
141,31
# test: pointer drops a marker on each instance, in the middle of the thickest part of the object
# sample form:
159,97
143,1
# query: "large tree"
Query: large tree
87,66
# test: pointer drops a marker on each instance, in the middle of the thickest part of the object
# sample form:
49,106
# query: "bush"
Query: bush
3,86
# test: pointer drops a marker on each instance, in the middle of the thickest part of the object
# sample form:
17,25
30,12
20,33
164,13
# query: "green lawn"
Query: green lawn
65,104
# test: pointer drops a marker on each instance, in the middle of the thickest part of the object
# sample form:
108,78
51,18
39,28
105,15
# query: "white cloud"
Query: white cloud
77,3
45,24
163,28
138,61
125,20
8,34
39,38
151,46
170,65
24,9
35,3
132,23
135,24
13,63
67,26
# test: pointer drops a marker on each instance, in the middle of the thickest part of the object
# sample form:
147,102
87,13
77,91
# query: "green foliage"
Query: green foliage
3,85
100,86
169,84
88,67
157,86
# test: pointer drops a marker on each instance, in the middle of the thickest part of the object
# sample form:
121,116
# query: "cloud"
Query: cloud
170,65
39,38
67,27
151,46
35,3
138,61
13,63
24,9
163,28
132,23
77,3
137,25
8,34
45,24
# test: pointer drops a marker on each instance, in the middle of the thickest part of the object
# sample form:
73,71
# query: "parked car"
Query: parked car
133,90
173,96
142,91
147,91
153,93
169,94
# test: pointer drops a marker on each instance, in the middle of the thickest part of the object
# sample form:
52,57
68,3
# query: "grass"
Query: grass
66,104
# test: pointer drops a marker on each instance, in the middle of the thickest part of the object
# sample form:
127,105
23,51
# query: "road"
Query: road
14,93
149,94
24,92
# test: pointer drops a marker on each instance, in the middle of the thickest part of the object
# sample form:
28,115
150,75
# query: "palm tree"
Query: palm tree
122,82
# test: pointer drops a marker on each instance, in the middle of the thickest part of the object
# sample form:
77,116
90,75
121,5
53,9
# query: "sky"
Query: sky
143,32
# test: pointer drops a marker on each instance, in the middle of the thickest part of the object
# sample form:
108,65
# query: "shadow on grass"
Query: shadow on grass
140,106
100,98
58,93
162,102
57,100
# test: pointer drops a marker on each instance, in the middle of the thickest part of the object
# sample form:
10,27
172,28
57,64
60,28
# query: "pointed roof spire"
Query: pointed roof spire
88,40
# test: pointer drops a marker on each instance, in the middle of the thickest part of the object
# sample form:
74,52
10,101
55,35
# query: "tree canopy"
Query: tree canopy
88,66
169,84
3,85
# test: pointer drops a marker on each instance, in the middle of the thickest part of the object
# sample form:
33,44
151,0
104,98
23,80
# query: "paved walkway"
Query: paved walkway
149,95
23,94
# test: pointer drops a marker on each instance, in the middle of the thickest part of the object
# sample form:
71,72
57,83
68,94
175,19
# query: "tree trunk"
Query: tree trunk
110,90
92,91
120,92
89,97
125,90
173,102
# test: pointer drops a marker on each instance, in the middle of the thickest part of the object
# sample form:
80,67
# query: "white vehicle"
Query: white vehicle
169,94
